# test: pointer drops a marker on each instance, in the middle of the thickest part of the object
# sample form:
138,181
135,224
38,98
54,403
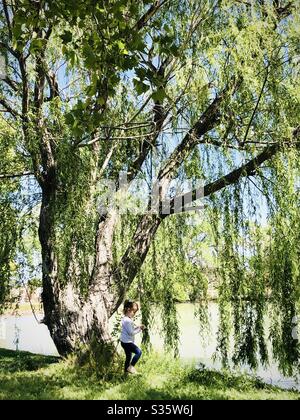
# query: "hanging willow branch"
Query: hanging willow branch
250,168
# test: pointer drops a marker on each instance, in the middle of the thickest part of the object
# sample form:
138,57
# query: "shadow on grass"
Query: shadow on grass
29,376
225,380
174,391
12,361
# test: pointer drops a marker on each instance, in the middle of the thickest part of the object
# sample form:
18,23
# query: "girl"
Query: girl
127,336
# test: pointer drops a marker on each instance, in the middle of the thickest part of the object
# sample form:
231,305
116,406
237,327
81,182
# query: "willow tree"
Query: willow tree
186,88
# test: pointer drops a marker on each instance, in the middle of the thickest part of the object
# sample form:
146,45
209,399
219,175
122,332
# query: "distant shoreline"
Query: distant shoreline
24,309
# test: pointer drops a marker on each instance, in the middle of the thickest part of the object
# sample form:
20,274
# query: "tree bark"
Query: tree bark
72,319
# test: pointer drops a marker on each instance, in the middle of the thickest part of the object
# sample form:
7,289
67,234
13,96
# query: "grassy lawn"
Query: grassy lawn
28,376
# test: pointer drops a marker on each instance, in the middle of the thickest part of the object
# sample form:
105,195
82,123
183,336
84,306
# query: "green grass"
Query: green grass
28,376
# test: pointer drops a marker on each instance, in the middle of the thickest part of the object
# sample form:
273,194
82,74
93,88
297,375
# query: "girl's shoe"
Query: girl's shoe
132,370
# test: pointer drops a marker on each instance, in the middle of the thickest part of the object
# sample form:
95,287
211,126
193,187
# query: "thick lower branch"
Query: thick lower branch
208,120
134,257
250,168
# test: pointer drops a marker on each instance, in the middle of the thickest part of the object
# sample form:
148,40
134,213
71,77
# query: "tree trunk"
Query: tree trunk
71,318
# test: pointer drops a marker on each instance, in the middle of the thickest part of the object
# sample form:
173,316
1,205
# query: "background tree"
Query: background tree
157,90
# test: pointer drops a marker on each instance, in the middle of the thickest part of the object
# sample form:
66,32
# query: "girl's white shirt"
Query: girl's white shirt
128,330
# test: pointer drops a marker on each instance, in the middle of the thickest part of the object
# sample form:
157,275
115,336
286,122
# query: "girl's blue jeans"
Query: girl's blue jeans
130,348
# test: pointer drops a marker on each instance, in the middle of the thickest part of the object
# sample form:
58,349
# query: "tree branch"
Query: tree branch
11,83
53,85
149,223
9,49
142,22
10,176
206,122
106,161
6,13
9,109
134,256
256,107
248,169
159,118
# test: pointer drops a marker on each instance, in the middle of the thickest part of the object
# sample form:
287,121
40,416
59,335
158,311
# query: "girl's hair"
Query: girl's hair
129,304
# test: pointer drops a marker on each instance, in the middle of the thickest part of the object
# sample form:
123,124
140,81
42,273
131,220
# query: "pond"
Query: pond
25,333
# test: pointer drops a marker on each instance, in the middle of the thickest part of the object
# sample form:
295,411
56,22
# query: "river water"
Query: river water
24,333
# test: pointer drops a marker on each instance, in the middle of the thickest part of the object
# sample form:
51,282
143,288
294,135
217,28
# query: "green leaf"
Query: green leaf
69,118
140,86
17,31
67,37
37,45
141,73
122,47
101,100
159,95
